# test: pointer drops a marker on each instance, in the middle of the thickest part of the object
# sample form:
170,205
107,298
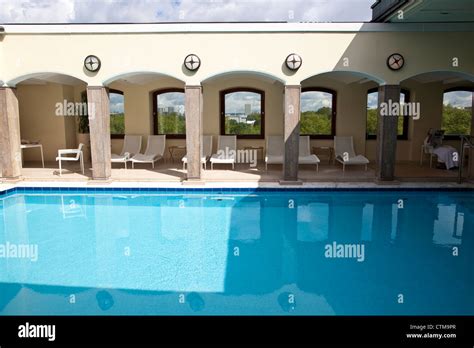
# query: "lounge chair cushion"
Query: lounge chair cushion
185,159
273,159
119,158
145,158
311,159
217,159
359,159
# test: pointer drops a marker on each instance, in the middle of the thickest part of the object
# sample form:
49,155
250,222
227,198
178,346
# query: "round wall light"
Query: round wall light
395,61
293,61
192,62
92,63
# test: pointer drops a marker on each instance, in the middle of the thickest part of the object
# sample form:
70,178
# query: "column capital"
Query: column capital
96,87
193,86
389,86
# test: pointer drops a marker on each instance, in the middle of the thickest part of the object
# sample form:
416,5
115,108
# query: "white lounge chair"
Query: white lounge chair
63,156
226,150
131,146
275,150
206,151
305,155
345,154
155,150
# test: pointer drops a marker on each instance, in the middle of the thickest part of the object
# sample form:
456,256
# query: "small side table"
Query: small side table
255,148
325,151
31,146
172,150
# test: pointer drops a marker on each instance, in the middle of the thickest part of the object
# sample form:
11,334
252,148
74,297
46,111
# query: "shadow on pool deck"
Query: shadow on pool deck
173,172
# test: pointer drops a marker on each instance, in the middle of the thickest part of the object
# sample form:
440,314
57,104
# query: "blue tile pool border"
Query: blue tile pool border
111,190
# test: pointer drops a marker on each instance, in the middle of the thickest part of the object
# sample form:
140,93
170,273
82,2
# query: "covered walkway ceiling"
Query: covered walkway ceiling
44,78
424,11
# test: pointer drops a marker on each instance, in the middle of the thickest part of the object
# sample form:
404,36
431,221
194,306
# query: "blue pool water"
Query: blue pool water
267,253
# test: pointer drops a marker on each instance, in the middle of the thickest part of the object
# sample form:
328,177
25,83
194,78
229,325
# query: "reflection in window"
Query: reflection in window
367,222
313,222
318,113
168,112
395,209
448,227
248,211
242,113
457,112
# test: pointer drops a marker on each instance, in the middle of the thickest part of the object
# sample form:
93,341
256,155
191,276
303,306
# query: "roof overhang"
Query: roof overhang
306,27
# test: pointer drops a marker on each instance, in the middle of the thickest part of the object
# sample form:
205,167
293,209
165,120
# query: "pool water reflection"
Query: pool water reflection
238,253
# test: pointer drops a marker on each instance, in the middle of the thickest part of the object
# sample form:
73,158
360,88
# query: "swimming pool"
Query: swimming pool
236,252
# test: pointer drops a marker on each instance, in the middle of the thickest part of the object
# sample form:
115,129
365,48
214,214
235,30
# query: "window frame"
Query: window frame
155,95
333,115
456,89
116,91
222,95
406,119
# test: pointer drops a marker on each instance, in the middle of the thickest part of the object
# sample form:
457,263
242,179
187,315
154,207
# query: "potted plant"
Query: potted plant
82,135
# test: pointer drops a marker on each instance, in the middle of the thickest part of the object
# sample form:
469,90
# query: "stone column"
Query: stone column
387,133
193,110
291,132
99,124
10,140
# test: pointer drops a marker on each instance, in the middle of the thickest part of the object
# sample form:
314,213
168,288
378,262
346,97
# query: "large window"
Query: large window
372,104
243,113
117,113
457,112
168,113
318,113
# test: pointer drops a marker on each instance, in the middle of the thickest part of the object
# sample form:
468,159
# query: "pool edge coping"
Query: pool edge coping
22,187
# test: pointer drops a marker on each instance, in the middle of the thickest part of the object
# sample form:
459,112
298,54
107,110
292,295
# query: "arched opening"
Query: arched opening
260,75
50,107
444,99
335,104
45,77
150,107
247,105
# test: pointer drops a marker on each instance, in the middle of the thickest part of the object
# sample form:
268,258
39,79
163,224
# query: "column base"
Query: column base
291,182
99,181
12,180
379,181
192,181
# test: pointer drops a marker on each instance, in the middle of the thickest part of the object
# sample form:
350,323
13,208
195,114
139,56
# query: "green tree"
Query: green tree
172,123
316,122
456,120
372,122
238,128
117,123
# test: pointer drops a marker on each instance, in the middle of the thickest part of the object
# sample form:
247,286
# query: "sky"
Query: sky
105,11
111,11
